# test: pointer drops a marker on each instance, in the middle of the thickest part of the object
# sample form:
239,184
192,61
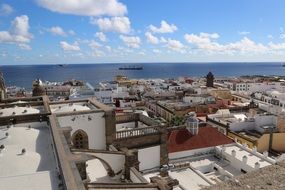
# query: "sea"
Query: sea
23,75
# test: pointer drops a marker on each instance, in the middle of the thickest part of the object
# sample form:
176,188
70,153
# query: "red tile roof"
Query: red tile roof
182,140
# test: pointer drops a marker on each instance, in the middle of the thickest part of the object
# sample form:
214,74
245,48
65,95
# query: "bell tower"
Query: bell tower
2,87
210,79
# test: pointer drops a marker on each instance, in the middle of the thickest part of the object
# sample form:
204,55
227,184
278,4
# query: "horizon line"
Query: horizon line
186,62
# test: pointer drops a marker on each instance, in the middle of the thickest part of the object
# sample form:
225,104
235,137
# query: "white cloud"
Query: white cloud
156,51
131,41
175,45
206,42
164,28
282,36
202,38
114,24
245,45
141,53
71,32
163,40
101,36
56,30
151,38
108,48
280,46
25,46
6,10
243,33
85,7
94,45
69,47
172,44
18,33
98,53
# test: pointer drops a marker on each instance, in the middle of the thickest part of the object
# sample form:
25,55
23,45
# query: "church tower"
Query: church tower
210,79
2,87
38,89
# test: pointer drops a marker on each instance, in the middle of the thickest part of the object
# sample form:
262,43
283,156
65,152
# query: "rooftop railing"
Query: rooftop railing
136,132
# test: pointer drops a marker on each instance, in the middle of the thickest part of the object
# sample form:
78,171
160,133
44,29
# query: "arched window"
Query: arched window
80,139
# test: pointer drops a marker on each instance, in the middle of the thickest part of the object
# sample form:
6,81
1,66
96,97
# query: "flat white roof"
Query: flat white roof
188,179
40,180
18,111
97,172
36,165
61,108
252,159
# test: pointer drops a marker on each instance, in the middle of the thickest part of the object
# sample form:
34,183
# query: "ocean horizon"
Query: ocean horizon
23,75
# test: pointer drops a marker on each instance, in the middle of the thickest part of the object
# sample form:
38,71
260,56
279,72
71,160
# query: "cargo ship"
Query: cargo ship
131,68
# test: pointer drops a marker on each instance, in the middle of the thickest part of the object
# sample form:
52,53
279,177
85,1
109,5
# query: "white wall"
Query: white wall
265,120
238,164
95,128
149,157
245,125
183,154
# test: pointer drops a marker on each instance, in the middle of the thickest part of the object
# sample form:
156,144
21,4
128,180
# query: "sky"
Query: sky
123,31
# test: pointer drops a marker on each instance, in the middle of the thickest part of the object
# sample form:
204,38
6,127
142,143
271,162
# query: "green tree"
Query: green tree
177,120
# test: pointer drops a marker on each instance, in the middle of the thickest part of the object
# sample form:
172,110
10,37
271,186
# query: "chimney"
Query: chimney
244,159
234,153
256,165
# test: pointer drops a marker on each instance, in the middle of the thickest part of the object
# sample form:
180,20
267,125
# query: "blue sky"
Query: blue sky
107,31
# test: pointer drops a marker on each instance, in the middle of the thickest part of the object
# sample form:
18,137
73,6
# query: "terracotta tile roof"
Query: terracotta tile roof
182,140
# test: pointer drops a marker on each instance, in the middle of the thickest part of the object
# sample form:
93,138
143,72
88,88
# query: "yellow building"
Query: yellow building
261,143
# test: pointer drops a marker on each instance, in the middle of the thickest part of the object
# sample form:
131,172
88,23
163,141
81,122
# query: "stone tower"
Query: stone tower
210,79
38,89
2,87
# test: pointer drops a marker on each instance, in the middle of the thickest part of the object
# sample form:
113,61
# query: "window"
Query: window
80,140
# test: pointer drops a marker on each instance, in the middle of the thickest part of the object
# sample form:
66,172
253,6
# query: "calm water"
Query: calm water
93,73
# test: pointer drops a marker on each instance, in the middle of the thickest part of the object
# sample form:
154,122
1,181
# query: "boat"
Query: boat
63,65
283,65
131,68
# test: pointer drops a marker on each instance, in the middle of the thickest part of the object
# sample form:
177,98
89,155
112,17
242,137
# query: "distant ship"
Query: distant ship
131,68
63,65
283,65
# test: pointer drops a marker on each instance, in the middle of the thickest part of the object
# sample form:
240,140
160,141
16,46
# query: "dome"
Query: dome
39,91
210,74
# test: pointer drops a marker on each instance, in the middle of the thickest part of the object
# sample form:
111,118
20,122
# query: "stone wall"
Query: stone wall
137,142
